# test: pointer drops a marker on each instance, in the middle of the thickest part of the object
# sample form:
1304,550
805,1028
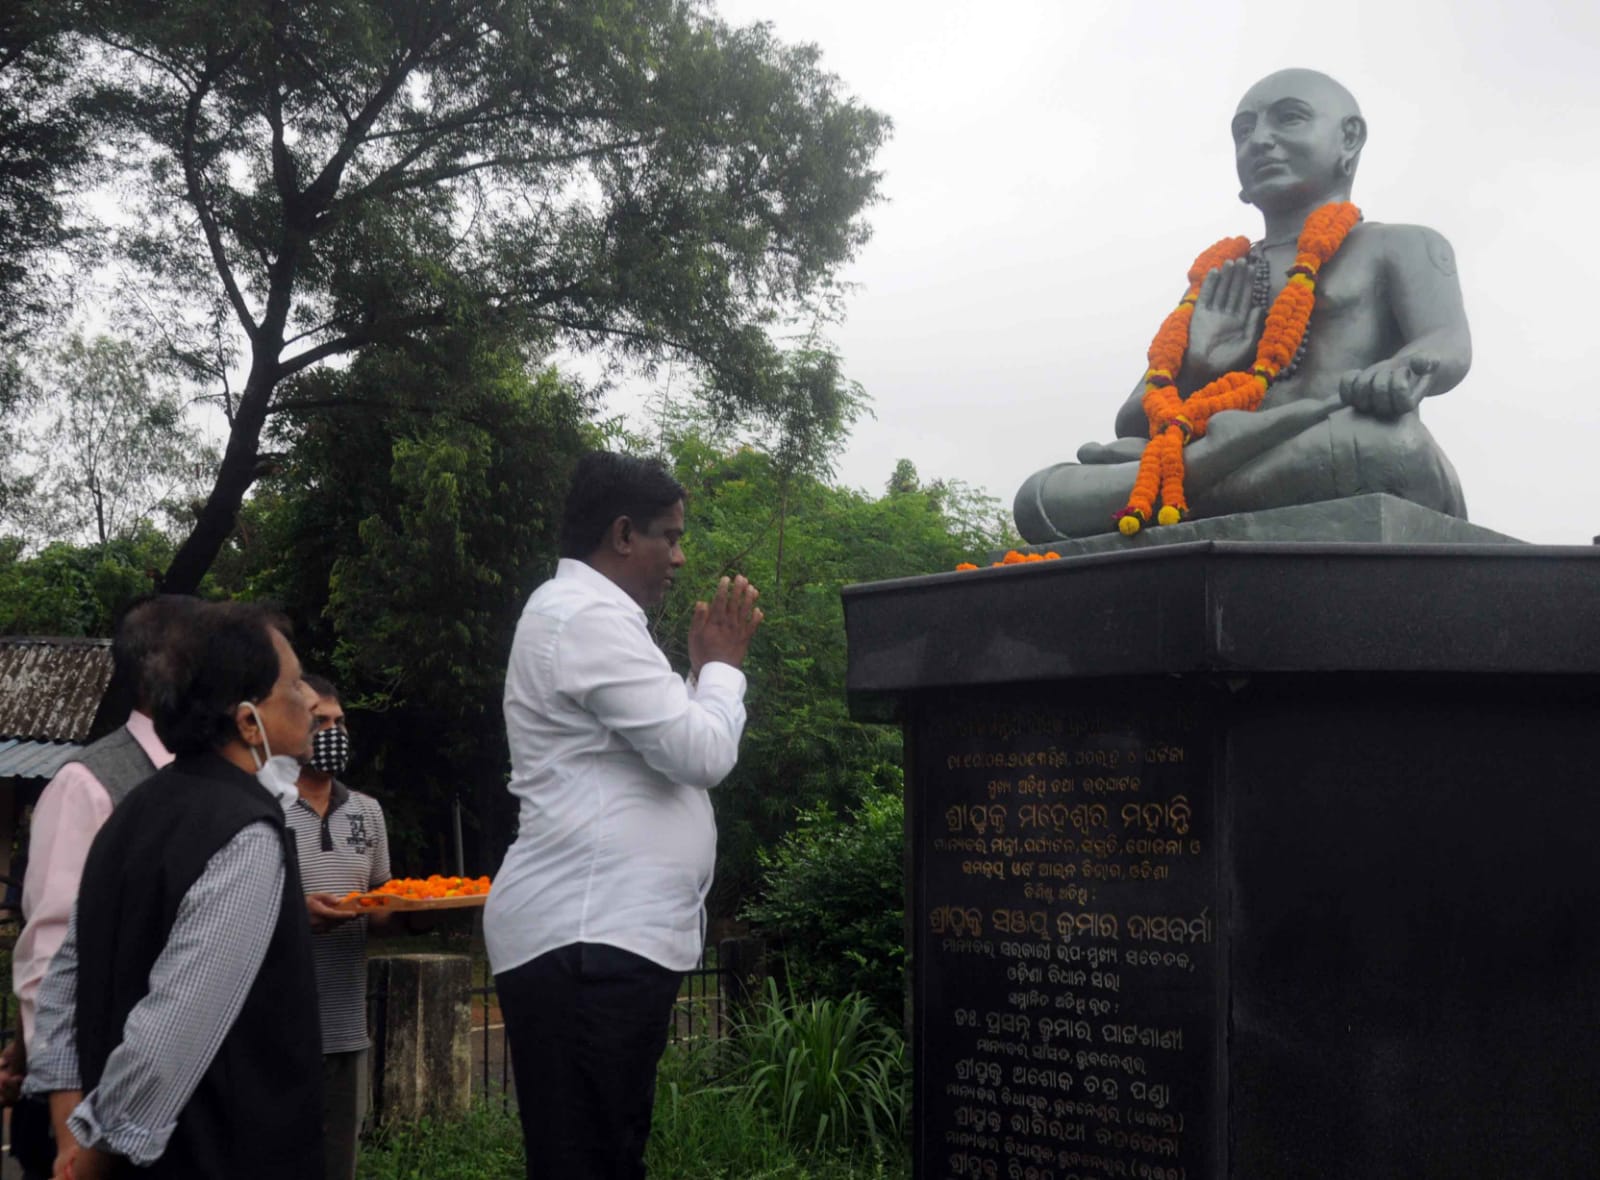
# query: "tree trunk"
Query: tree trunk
234,477
99,510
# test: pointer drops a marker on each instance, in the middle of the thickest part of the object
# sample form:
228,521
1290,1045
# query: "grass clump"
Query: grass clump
828,1072
708,1127
485,1145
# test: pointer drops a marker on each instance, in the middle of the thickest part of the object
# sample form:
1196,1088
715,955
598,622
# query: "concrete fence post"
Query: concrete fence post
421,1036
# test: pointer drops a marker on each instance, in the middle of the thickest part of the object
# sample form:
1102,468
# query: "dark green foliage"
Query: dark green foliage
833,898
404,544
76,590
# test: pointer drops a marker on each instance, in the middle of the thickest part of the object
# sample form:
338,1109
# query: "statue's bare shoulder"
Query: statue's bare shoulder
1410,246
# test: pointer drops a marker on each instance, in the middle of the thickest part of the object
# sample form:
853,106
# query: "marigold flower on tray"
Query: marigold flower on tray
421,889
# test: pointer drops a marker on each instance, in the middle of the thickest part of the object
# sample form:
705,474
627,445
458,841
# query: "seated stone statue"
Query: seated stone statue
1387,329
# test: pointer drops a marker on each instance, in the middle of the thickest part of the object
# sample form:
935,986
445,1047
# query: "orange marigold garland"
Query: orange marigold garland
1176,420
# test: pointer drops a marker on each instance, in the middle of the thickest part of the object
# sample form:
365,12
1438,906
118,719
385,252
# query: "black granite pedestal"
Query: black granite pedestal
1246,860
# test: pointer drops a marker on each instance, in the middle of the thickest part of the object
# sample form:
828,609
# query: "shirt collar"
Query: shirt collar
144,732
570,568
338,796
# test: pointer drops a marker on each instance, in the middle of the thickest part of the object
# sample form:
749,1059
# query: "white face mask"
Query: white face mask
279,775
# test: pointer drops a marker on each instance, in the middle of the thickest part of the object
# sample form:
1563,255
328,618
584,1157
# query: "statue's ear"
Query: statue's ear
1354,133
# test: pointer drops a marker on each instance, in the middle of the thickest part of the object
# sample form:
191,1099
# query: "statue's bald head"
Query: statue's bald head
1301,121
1316,87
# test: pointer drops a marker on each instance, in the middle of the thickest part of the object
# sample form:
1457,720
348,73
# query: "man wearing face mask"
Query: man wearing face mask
343,845
177,1023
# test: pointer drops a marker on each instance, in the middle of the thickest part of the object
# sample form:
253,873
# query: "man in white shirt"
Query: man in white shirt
598,908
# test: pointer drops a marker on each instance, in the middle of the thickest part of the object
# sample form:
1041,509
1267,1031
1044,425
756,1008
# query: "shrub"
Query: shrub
833,898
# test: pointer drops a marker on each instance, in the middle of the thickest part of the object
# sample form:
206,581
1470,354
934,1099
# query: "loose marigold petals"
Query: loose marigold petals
1013,557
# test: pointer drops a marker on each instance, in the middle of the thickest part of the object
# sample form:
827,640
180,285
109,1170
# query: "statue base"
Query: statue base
1373,518
1239,859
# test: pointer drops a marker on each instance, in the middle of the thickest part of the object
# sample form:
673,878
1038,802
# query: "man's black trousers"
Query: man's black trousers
587,1024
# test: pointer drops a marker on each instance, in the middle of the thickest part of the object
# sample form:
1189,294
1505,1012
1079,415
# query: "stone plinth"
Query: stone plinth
1373,518
1238,859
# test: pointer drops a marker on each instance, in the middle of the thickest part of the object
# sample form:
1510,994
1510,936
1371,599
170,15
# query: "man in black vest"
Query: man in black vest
178,1021
69,813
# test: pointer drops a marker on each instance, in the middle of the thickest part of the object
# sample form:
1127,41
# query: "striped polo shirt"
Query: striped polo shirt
346,849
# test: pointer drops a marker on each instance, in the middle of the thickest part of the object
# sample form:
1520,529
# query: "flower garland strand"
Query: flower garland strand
1174,420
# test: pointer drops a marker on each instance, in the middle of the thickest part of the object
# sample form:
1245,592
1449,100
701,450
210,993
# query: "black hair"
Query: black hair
606,485
145,626
224,655
322,686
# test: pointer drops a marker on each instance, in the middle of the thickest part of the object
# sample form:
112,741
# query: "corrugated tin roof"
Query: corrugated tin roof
25,759
50,688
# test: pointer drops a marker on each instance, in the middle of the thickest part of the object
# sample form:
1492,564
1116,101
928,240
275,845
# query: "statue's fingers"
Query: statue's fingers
1355,388
1387,390
1224,288
1371,390
1422,365
1239,296
1208,289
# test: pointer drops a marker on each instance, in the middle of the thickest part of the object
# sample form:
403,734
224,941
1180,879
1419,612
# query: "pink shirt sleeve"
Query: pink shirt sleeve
70,811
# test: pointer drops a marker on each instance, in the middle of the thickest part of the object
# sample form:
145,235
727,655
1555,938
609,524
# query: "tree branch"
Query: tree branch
195,185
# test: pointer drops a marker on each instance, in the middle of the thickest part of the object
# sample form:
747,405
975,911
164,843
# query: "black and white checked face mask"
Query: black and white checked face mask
330,750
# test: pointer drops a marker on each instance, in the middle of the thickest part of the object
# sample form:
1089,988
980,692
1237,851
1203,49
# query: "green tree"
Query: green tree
16,483
68,589
327,177
43,147
404,544
113,448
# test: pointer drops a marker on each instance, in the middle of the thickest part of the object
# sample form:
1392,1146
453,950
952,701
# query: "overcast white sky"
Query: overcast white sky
1056,165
